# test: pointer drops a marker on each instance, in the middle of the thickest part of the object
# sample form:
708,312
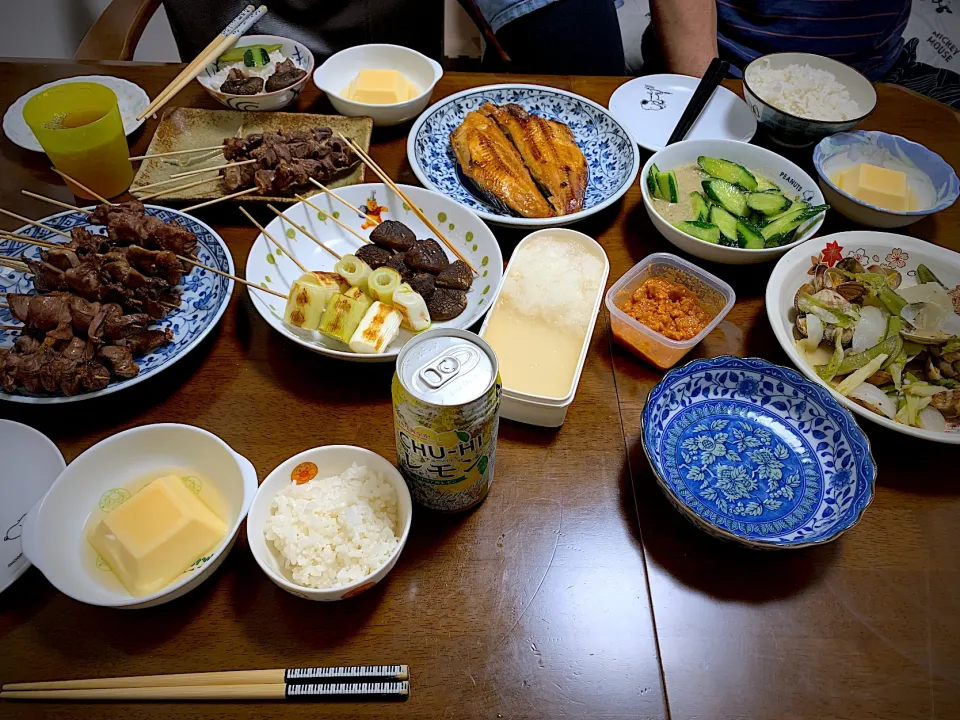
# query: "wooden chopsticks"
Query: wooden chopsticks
381,682
220,44
701,96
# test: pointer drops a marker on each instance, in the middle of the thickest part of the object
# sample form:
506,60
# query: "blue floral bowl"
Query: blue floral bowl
205,296
753,452
613,158
929,177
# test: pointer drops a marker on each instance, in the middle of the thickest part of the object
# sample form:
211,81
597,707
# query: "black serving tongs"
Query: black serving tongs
701,96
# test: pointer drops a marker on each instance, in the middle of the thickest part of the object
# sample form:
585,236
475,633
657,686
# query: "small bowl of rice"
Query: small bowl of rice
799,98
330,523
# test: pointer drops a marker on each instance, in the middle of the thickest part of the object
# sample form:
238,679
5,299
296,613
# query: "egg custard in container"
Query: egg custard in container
542,321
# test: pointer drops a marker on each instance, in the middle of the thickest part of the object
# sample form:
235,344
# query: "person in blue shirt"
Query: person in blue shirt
686,35
541,36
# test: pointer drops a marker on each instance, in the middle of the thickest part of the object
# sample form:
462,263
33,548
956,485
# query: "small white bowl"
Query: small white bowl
793,180
792,130
266,101
53,537
333,76
330,460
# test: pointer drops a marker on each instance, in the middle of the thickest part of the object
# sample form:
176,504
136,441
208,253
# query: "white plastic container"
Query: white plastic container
537,409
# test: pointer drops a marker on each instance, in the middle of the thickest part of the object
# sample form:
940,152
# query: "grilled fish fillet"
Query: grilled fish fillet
550,153
488,159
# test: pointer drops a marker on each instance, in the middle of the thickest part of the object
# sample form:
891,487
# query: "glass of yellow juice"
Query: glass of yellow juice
80,128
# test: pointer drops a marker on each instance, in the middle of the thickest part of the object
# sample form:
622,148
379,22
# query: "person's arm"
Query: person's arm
688,33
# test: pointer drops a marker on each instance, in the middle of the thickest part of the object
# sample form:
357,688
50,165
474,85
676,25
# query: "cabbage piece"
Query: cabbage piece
870,329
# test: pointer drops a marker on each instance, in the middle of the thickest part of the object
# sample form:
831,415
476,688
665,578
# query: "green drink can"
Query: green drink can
446,412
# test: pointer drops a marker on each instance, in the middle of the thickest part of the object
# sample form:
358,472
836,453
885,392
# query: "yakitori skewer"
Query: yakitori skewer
378,171
13,264
176,152
160,193
227,37
346,227
141,188
11,328
29,241
232,277
302,229
272,239
353,207
239,193
83,187
58,203
190,173
35,223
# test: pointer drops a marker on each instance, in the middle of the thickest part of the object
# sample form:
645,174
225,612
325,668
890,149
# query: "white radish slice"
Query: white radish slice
874,398
931,419
814,333
870,329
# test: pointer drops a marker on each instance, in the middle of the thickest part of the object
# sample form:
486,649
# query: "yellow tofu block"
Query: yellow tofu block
877,186
379,87
156,535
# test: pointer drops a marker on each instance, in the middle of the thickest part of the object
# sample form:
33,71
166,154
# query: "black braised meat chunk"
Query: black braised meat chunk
102,213
374,255
393,235
285,75
446,304
398,264
423,284
119,360
456,275
427,256
237,83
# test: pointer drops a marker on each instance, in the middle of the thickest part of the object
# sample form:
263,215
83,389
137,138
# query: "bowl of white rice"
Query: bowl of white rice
214,74
330,522
799,98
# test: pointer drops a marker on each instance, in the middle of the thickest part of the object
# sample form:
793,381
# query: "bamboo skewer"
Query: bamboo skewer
83,187
13,264
31,241
58,203
227,37
177,188
272,239
378,171
35,223
189,173
346,227
239,193
332,194
11,328
154,185
176,152
232,277
304,231
229,677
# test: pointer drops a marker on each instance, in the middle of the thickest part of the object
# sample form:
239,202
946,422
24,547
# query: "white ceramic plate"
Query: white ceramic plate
31,462
131,97
267,266
651,106
899,252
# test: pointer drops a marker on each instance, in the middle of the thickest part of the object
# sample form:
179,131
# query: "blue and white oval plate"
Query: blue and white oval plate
612,155
204,299
755,453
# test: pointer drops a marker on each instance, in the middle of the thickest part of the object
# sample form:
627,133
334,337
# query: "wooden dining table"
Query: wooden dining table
575,590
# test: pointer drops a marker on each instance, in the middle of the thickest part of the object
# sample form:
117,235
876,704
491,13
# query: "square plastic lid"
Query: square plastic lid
31,462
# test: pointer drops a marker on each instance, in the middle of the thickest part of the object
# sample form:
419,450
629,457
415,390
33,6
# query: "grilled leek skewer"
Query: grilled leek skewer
412,308
377,329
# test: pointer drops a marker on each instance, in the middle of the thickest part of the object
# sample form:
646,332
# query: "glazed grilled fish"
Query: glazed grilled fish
550,153
492,163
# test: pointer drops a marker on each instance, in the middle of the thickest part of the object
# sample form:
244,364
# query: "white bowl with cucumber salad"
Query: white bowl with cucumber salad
751,205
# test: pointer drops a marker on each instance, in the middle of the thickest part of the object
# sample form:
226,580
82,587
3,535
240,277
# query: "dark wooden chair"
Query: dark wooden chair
115,34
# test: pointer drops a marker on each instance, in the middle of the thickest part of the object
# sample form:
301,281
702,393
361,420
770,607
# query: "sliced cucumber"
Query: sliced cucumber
790,221
749,237
727,195
728,171
763,184
235,54
768,203
700,207
667,183
707,232
725,221
793,207
652,187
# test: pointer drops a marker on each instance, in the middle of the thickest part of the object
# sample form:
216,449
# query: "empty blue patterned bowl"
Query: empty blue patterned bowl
755,453
929,177
613,158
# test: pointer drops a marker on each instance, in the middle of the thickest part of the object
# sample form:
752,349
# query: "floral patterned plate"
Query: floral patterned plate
754,453
272,267
205,297
612,156
899,252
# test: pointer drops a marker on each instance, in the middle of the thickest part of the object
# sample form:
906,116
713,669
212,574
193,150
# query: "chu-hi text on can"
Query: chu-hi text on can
446,412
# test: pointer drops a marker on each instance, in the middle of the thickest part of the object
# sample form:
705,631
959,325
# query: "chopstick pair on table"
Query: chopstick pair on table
370,682
701,96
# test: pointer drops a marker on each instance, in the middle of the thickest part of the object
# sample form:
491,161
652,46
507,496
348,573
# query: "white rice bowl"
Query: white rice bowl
337,530
804,91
